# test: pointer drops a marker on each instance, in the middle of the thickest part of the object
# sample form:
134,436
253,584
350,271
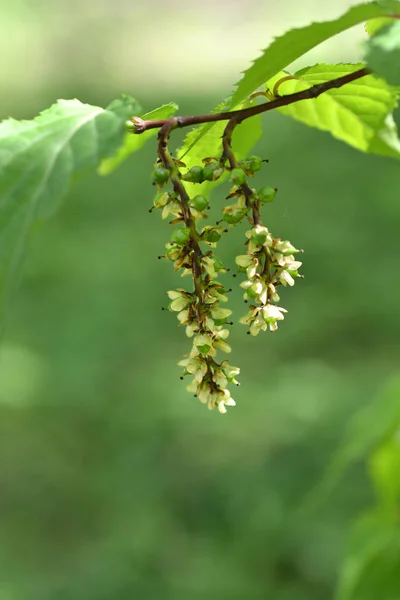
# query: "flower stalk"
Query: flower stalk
199,311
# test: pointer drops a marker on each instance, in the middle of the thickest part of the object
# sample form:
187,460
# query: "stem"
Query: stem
251,202
229,155
179,188
246,113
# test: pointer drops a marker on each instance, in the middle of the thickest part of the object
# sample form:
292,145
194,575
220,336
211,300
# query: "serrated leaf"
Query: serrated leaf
195,149
280,54
382,53
292,45
40,158
133,142
356,113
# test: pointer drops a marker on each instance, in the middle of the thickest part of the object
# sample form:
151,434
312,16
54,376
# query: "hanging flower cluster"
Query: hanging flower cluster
199,311
268,263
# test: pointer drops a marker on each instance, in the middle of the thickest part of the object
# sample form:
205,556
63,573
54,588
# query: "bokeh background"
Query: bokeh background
114,482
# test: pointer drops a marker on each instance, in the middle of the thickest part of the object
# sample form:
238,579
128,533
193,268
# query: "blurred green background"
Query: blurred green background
114,482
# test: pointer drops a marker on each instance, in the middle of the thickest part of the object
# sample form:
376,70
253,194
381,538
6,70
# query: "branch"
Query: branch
179,188
233,163
240,115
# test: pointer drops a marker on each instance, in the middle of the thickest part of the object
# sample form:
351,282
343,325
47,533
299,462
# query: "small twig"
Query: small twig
251,202
229,155
179,188
166,159
245,113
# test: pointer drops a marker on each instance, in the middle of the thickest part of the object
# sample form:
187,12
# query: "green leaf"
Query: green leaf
279,55
372,536
365,431
206,141
38,161
194,136
132,142
374,25
382,53
293,44
384,467
392,6
356,113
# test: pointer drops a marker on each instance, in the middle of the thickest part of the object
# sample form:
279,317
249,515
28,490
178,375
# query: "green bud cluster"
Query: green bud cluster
268,263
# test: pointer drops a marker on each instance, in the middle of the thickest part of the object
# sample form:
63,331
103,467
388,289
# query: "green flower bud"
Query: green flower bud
266,194
203,343
218,172
220,315
233,216
238,176
194,175
251,291
160,175
162,199
259,238
173,251
181,236
217,264
252,164
204,349
199,202
211,235
244,260
212,171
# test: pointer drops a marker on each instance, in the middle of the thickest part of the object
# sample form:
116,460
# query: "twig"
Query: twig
229,155
142,125
179,188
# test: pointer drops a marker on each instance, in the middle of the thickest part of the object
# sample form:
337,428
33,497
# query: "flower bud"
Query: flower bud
181,236
251,164
203,344
238,176
285,278
194,175
259,235
212,171
244,260
218,264
220,315
233,214
199,202
160,175
211,234
284,247
173,251
162,199
266,194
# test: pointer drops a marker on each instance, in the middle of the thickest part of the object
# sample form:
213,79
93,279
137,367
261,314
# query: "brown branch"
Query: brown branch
179,188
248,193
239,115
166,159
233,163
